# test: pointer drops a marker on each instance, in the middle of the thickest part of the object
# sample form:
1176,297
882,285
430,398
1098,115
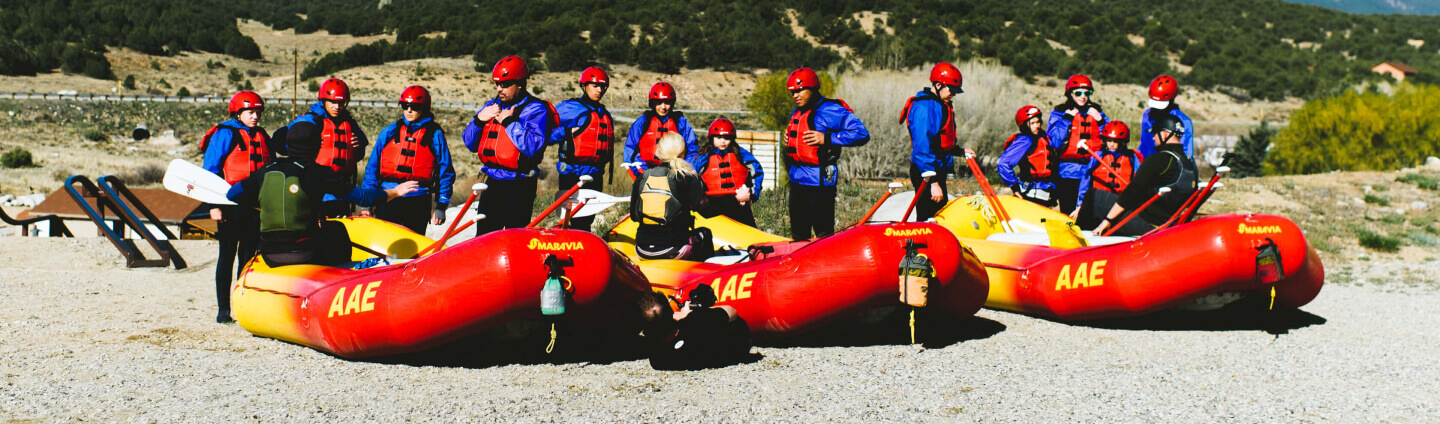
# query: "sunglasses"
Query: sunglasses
506,84
1085,93
412,106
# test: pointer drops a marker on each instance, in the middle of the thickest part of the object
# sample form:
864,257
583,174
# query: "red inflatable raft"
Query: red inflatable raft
804,285
456,292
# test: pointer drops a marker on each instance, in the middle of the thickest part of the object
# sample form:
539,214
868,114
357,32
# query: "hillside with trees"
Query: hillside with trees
1250,48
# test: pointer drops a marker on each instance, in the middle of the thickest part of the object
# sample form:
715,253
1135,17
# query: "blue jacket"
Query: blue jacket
1147,140
637,130
926,119
841,128
1090,168
529,129
1011,157
221,143
757,173
1059,133
318,108
573,114
443,185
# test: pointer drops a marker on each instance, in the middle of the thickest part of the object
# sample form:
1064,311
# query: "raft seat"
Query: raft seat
1041,238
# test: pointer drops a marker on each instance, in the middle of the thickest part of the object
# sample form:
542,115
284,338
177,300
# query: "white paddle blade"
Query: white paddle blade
595,202
894,207
190,180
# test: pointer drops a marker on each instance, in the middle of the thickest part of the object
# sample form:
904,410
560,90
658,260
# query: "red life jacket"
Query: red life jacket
802,121
944,141
1037,164
1084,131
1102,179
724,174
407,157
654,129
595,143
497,150
247,154
336,145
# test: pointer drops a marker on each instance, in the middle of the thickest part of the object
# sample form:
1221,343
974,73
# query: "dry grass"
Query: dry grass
992,94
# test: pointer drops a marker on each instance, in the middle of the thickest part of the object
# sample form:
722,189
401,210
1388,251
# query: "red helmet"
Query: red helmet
246,100
594,75
662,91
415,94
510,68
722,127
947,74
1024,114
1078,81
1115,130
335,90
1164,88
802,78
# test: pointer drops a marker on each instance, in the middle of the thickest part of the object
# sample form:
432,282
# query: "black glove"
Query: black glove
438,214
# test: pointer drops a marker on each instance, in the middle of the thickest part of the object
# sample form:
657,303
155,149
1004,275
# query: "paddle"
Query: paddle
190,180
889,191
595,202
564,198
919,191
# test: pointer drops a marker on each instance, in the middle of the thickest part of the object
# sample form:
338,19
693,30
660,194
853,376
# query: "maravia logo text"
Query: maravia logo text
1262,229
535,243
907,233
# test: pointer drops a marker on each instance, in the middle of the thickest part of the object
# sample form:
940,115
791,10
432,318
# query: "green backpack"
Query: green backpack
284,206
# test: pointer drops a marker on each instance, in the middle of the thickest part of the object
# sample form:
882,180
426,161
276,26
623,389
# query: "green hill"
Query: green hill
1262,48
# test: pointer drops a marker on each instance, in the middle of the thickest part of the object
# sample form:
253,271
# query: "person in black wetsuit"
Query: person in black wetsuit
1168,167
661,201
696,337
289,194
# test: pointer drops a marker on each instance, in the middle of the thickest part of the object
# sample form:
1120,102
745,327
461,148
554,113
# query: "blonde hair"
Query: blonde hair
671,149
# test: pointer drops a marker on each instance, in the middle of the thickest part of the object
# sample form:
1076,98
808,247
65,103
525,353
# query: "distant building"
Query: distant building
1396,70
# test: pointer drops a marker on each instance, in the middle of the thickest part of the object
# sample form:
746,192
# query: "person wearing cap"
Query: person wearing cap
818,128
412,149
509,134
1074,133
661,119
586,135
1027,164
1168,167
1108,176
342,142
233,149
733,177
289,194
930,119
1162,102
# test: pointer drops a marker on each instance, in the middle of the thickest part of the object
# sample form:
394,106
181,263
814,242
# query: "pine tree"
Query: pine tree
1250,152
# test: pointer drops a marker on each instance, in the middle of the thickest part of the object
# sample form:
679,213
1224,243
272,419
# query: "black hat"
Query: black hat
303,141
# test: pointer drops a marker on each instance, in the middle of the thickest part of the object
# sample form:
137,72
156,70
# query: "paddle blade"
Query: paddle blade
190,180
595,202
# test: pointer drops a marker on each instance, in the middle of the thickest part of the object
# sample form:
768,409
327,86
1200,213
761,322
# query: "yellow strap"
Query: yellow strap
551,346
912,325
1272,298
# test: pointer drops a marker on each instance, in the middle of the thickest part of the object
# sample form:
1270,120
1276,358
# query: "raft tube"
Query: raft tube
416,305
1202,264
786,294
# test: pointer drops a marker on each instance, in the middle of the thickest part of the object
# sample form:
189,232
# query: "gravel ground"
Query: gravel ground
85,339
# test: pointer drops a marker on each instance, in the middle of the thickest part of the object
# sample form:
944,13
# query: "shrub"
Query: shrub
94,135
1379,242
183,92
1376,200
144,175
1357,132
1420,180
314,86
17,158
129,83
1250,151
771,101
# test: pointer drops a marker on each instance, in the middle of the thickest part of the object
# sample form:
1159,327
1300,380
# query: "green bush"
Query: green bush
1379,242
1420,180
183,92
1250,151
1376,200
129,83
771,101
17,158
95,135
1358,132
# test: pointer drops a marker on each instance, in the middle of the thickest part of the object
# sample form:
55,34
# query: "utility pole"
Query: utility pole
295,84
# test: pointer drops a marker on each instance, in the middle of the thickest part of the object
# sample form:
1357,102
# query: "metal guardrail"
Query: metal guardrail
275,101
57,225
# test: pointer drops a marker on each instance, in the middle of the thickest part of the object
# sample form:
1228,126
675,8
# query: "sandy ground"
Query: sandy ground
87,340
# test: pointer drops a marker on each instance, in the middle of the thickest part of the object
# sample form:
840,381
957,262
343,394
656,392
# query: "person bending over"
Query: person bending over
698,336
